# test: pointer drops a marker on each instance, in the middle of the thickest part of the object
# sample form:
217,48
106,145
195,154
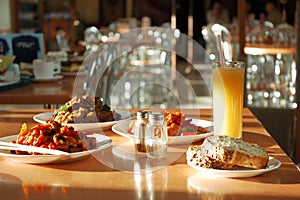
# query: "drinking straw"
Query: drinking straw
220,48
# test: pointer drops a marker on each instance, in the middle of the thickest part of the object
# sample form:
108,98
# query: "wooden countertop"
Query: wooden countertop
91,179
52,92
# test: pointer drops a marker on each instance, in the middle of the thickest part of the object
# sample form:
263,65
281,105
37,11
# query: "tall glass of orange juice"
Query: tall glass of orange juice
228,97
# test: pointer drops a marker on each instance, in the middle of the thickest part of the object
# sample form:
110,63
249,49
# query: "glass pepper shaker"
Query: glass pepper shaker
140,130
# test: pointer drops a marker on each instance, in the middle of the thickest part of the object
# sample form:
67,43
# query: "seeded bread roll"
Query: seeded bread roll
222,152
194,156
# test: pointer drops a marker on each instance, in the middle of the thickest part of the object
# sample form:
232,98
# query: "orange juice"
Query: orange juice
228,96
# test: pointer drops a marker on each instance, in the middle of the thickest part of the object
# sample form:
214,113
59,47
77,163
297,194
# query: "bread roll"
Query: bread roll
223,152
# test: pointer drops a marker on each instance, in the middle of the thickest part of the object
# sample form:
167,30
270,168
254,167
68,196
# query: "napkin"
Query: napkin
5,62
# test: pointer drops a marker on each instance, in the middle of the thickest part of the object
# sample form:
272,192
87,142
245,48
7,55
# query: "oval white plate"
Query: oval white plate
42,80
121,128
43,117
102,143
272,165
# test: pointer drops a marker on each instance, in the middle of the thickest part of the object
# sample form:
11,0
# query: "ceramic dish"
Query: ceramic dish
121,128
272,165
102,143
43,117
46,80
65,73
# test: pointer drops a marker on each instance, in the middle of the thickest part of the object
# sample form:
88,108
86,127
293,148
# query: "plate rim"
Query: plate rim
60,158
66,73
98,124
191,138
55,77
241,173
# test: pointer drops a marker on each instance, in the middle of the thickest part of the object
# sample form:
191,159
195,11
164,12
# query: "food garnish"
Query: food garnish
62,108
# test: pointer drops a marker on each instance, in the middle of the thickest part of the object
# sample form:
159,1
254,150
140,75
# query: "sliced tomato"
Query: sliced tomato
130,130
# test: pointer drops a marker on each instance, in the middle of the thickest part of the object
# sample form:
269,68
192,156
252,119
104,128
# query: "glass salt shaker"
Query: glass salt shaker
140,130
157,136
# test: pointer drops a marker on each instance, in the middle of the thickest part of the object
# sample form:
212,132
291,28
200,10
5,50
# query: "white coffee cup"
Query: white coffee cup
44,69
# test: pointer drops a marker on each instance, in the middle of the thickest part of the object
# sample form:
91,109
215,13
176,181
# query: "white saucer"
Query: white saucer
81,73
41,80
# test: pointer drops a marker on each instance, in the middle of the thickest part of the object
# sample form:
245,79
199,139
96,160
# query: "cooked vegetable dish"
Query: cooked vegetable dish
53,135
83,110
177,125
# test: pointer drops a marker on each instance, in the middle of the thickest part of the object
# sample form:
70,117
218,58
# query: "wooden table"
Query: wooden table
55,92
91,179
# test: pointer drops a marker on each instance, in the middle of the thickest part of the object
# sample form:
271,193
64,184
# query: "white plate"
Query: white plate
121,128
272,165
102,143
43,117
65,73
42,80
